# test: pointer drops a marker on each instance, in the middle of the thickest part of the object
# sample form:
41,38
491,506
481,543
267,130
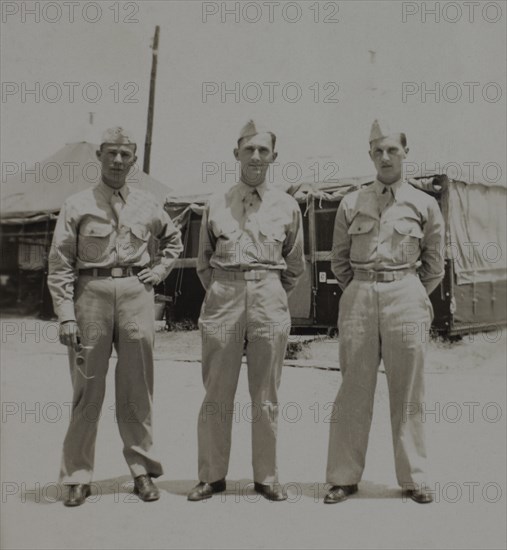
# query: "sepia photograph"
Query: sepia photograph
253,274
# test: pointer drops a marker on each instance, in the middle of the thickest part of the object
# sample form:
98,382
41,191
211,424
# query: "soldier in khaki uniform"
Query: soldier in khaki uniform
101,280
250,257
387,259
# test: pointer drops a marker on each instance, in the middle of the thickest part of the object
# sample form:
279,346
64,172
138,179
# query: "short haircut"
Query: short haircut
273,139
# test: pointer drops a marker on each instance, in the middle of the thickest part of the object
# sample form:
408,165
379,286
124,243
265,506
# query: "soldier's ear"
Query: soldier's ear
275,154
98,153
406,150
369,152
236,152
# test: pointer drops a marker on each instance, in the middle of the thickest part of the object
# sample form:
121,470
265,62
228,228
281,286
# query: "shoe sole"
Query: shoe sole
74,504
215,491
271,499
136,492
421,501
341,500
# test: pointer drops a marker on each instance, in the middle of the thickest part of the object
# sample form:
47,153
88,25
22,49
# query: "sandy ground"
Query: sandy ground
466,390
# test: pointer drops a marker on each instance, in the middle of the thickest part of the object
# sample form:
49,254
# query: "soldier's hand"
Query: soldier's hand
70,335
147,276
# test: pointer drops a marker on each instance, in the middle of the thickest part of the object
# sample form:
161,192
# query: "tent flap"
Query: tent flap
477,239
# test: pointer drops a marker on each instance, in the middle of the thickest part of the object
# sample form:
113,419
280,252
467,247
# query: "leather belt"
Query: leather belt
252,275
383,276
111,271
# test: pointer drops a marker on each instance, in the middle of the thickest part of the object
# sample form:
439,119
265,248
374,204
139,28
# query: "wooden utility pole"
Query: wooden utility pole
151,103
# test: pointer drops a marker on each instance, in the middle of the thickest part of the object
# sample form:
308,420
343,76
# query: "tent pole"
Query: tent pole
312,222
18,299
151,103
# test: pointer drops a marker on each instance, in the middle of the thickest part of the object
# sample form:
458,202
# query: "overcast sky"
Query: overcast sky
361,58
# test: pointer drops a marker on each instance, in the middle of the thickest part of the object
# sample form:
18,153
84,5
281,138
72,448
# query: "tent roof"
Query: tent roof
38,194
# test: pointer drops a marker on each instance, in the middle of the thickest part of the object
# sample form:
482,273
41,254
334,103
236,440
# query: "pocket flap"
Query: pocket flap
273,234
410,228
96,229
140,231
361,226
225,228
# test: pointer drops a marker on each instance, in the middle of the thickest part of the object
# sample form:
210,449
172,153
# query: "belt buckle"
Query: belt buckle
117,272
384,277
252,276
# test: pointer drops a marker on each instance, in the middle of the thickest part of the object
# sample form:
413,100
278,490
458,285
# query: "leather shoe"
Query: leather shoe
205,490
77,494
421,496
339,493
271,492
145,488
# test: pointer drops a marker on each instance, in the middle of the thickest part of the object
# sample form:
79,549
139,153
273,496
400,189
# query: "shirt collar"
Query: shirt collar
245,189
394,187
108,191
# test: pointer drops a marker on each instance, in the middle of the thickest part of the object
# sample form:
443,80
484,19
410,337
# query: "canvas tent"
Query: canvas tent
30,201
472,296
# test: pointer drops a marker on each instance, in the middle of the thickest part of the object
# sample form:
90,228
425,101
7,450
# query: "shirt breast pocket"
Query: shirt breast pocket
132,242
363,241
94,241
139,233
228,230
271,243
407,237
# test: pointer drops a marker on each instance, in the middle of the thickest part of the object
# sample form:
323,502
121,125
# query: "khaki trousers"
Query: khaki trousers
234,311
109,311
388,321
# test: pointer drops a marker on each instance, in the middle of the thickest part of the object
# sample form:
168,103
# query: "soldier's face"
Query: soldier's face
116,161
255,154
387,155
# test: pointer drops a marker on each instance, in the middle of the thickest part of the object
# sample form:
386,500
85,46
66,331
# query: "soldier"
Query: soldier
250,257
386,258
101,280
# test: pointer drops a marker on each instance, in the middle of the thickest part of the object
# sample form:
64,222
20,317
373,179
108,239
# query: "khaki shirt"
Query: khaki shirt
88,235
402,228
252,228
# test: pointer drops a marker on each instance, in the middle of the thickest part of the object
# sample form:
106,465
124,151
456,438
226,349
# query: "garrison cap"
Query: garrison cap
252,129
118,135
382,129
